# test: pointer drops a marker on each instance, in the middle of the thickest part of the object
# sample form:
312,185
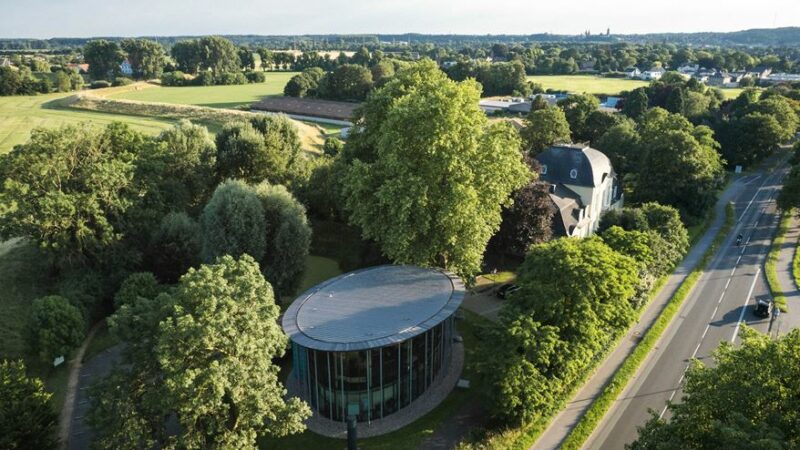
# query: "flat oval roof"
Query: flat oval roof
372,307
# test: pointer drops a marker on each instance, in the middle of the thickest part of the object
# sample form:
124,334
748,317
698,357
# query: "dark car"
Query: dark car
763,308
505,290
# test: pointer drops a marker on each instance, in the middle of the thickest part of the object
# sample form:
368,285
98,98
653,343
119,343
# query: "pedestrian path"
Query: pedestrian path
788,285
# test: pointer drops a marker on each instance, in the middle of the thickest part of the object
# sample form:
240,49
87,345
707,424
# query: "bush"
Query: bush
27,418
332,146
176,78
99,84
56,327
140,284
233,223
255,77
122,81
204,79
230,78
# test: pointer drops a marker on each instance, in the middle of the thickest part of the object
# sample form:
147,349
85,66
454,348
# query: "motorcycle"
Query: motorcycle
738,240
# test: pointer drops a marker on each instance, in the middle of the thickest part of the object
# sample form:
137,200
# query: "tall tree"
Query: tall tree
103,57
681,166
27,417
748,399
187,55
346,82
424,160
621,144
543,128
528,221
147,58
636,103
67,188
226,391
175,247
233,222
577,109
288,237
218,55
56,327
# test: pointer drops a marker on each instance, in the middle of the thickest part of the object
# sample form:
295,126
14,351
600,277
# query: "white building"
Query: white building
583,185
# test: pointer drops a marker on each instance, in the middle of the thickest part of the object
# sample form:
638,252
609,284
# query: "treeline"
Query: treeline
786,36
24,82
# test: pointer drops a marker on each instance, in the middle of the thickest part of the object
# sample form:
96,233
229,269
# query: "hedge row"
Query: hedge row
771,266
600,406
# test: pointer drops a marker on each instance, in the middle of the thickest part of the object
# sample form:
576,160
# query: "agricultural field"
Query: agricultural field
212,96
591,84
20,114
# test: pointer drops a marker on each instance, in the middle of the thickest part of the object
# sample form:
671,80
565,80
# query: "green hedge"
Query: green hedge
600,406
771,266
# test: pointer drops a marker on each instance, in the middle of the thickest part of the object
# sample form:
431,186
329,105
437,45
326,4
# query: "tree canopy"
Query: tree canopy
233,223
747,399
27,417
427,174
543,128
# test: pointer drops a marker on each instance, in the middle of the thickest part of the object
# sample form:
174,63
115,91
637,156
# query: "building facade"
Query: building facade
370,342
583,185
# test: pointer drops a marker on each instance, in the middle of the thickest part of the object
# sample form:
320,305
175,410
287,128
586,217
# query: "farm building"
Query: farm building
327,111
369,343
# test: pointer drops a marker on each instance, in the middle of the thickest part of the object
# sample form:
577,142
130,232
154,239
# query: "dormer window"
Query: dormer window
573,173
544,169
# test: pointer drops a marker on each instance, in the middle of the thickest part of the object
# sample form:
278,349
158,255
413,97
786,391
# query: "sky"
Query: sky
87,18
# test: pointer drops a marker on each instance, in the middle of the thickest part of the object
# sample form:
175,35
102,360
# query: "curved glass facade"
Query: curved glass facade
371,384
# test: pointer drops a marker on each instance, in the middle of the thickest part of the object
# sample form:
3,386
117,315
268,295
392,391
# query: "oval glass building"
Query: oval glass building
369,342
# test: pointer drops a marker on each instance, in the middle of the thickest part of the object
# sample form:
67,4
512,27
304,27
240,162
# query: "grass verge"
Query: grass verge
771,265
601,405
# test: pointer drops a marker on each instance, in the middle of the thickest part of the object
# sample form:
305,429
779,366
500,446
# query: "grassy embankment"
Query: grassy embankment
593,84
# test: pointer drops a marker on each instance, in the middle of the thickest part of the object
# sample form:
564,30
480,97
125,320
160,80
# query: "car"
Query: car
505,290
763,308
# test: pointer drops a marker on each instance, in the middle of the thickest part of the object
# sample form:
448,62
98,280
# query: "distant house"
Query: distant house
583,185
654,73
782,77
760,72
632,72
587,67
610,104
719,79
125,68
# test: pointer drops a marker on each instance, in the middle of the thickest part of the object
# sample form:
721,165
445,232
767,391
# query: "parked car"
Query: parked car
505,290
763,307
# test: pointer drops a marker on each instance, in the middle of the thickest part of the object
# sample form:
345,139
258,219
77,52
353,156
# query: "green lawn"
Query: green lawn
589,84
592,84
20,114
213,96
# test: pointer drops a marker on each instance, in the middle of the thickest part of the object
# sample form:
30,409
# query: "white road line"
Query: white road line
744,307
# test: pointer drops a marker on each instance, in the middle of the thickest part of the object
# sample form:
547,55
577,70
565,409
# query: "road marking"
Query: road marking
744,307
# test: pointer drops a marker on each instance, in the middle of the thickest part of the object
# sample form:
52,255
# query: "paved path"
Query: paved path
786,279
565,421
75,364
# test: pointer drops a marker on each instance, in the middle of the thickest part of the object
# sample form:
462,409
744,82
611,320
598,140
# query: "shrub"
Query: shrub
204,79
140,284
122,81
176,78
255,77
56,327
99,84
332,146
230,78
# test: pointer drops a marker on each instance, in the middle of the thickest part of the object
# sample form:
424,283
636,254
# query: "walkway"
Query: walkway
788,284
565,421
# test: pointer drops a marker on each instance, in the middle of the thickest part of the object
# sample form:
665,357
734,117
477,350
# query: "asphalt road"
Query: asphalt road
721,301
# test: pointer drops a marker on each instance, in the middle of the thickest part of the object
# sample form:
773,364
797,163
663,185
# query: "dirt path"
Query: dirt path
75,364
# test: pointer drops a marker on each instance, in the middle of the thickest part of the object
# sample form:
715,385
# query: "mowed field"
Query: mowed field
212,96
591,84
20,114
